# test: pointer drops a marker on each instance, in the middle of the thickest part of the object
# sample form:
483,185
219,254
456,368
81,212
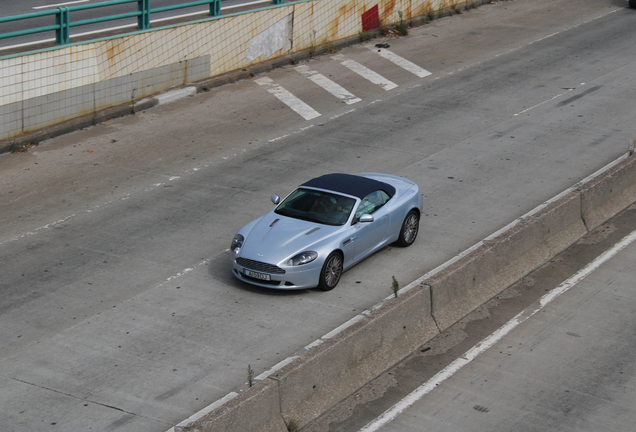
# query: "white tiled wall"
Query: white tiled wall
73,72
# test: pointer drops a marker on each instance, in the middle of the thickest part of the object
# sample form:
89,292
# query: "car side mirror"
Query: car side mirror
275,199
366,218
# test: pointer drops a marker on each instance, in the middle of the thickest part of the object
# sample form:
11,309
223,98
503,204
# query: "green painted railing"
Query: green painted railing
63,23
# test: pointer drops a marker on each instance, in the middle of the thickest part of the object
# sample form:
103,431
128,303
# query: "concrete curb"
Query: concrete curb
78,123
303,387
174,95
608,193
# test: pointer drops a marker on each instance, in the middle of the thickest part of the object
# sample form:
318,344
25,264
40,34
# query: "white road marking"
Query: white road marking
402,62
365,72
203,412
392,413
288,99
185,271
276,367
342,327
545,101
342,114
327,84
244,4
37,230
59,4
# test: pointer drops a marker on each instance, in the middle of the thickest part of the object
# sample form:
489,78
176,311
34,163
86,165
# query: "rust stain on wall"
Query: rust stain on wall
408,10
346,11
389,8
349,8
113,50
422,9
333,29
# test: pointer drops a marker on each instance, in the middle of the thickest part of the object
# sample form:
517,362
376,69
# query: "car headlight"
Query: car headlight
237,243
302,258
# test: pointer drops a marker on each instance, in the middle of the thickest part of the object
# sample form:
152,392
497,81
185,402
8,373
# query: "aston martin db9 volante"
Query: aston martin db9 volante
324,227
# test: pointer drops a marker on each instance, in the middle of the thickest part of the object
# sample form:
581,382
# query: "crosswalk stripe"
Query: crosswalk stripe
402,62
365,72
289,99
327,84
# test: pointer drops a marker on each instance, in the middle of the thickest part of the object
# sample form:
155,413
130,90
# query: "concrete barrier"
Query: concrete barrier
341,362
504,258
609,192
335,369
255,410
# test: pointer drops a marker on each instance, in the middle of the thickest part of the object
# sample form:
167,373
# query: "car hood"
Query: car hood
275,238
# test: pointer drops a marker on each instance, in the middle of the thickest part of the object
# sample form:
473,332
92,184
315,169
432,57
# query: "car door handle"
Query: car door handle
347,241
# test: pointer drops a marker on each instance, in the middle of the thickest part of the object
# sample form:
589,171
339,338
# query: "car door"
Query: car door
369,236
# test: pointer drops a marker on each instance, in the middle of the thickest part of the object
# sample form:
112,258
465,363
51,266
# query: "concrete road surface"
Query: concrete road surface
117,306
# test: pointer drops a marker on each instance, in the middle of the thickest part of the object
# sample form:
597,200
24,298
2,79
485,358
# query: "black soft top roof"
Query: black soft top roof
349,184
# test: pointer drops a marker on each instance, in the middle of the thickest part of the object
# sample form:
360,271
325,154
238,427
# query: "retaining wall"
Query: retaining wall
303,387
44,88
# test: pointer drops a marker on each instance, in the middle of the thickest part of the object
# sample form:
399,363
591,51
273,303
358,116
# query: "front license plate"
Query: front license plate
255,275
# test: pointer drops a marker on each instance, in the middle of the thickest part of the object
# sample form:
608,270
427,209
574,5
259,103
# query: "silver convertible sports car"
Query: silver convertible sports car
324,227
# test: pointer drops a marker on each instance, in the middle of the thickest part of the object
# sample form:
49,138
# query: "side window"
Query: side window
371,203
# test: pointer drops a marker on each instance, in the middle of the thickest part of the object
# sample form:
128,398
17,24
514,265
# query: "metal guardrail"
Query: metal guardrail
63,23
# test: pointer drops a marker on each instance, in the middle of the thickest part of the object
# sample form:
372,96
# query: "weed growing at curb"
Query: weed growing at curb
402,29
292,425
401,26
365,35
430,14
330,48
395,286
250,376
440,11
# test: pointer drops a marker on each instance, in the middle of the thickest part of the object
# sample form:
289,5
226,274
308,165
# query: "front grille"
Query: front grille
259,266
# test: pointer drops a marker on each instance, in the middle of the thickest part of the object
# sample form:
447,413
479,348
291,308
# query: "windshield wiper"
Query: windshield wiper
308,219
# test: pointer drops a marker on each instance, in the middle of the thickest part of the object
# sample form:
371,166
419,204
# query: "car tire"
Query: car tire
410,228
632,4
331,272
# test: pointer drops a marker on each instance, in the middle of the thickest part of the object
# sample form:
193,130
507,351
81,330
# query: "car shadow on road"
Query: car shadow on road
619,3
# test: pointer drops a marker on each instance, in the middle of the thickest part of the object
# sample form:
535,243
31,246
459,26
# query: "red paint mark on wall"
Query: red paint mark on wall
371,19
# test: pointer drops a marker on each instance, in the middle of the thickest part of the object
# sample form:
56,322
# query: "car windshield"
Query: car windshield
317,206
